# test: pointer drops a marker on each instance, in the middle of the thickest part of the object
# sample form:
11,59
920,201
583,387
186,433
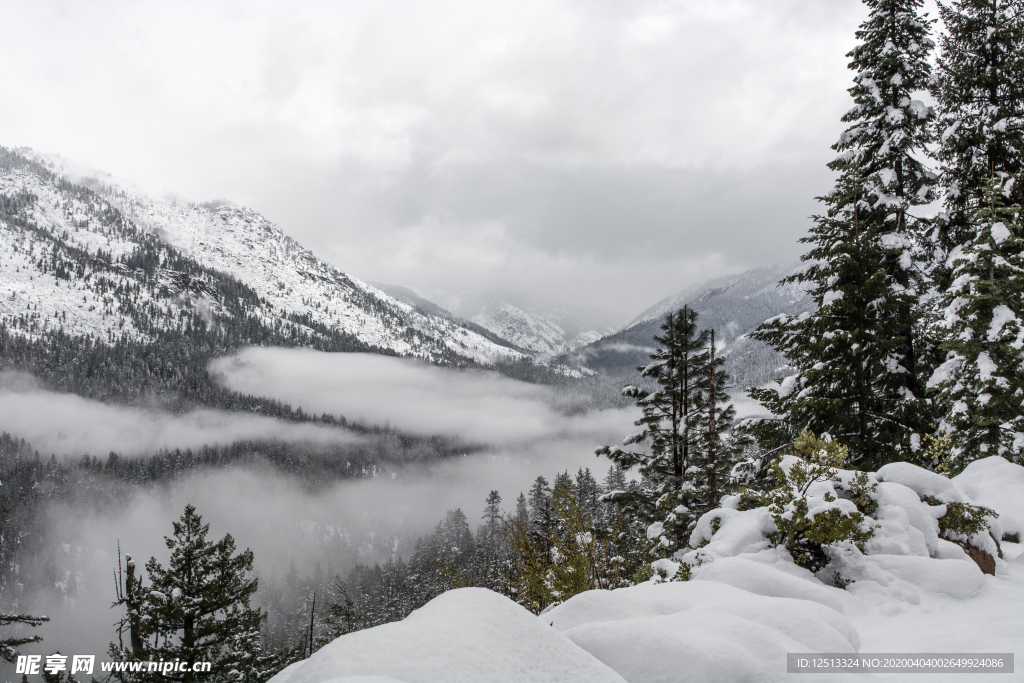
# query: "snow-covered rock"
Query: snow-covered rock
699,631
780,580
471,635
922,481
998,484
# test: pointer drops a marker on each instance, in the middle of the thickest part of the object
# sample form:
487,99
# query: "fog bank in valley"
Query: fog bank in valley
281,518
66,424
410,395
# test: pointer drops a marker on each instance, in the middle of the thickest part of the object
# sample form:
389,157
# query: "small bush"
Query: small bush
860,489
749,499
643,573
808,537
961,519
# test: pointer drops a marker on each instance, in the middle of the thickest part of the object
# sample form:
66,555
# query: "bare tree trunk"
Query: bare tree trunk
312,612
132,602
712,436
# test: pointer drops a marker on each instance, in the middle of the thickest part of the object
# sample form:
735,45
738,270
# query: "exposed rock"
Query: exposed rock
985,562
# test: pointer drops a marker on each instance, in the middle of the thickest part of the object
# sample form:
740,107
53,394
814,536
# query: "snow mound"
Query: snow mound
699,631
285,675
998,484
768,580
906,559
956,579
470,634
922,481
906,526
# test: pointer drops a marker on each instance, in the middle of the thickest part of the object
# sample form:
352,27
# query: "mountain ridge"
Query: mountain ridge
733,305
90,241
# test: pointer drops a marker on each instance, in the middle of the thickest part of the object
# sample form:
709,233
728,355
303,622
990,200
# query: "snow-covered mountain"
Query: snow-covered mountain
733,306
540,327
97,258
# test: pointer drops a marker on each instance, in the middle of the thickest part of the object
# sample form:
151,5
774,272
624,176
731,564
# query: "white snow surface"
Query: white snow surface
699,631
471,635
1000,233
746,605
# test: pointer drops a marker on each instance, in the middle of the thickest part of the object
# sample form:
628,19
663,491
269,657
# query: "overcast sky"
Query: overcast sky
597,153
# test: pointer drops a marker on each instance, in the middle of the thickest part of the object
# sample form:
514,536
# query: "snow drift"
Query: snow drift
470,635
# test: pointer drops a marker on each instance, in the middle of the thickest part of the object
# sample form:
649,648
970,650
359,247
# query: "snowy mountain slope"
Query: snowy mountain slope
757,288
427,307
543,328
46,219
733,306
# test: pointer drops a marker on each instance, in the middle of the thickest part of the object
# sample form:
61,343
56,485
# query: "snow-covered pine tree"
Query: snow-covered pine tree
9,645
720,447
491,562
980,96
981,384
860,358
540,502
672,428
197,608
490,530
522,511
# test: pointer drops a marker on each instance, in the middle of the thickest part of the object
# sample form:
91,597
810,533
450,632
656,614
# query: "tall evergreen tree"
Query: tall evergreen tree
197,608
491,560
522,511
861,359
981,384
540,501
980,95
721,446
672,428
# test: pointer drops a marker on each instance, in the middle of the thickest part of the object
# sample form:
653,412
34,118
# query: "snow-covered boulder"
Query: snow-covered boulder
699,630
923,482
780,580
998,484
469,635
905,525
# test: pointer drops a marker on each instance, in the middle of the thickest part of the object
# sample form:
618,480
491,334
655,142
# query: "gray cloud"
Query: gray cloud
595,152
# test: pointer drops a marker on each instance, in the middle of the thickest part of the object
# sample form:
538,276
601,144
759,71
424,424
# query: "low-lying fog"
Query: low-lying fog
65,424
412,396
279,517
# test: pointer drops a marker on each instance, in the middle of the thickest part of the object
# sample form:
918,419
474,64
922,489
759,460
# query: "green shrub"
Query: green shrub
860,488
643,573
961,519
809,537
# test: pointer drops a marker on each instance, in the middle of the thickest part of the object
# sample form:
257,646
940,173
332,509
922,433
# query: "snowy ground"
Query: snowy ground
746,607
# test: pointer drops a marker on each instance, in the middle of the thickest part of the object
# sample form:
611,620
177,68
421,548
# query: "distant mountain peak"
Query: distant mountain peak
733,305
